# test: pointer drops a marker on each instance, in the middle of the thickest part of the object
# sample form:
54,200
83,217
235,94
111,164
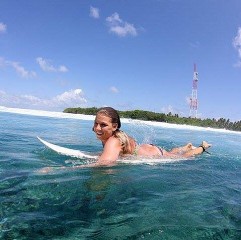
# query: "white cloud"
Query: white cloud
237,45
188,100
31,98
3,27
168,109
114,89
72,98
94,12
119,27
114,19
237,39
62,68
172,110
46,66
22,71
18,68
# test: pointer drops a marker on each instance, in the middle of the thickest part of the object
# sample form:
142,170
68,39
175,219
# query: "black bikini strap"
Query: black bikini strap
204,150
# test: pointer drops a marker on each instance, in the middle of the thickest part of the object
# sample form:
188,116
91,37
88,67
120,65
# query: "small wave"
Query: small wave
43,113
179,126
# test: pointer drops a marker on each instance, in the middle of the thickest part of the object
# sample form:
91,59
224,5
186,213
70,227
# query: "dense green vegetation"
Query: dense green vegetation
169,118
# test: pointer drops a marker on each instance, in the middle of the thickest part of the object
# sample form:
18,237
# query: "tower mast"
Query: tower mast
193,99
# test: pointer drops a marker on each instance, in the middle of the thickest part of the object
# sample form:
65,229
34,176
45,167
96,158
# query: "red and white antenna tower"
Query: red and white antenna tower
193,99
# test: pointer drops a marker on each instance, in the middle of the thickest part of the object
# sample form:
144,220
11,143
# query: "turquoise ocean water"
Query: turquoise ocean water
186,199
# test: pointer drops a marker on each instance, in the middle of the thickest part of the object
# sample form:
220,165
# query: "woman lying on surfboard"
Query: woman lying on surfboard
117,143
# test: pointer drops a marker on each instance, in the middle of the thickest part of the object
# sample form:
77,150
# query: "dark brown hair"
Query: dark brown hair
112,113
115,118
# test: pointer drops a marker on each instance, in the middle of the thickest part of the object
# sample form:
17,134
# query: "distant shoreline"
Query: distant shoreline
44,113
166,118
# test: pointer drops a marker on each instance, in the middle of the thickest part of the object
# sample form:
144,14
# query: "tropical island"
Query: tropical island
220,123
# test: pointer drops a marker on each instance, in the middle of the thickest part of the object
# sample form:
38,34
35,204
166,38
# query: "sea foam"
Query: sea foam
123,120
43,113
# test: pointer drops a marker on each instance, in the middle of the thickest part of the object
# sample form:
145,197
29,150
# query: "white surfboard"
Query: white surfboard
82,155
67,151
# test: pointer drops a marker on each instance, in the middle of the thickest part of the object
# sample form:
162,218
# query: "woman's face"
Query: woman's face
103,127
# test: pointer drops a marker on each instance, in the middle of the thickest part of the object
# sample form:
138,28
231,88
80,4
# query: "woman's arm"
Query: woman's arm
111,152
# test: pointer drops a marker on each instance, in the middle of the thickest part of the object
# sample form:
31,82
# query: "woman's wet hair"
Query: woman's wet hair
111,113
115,118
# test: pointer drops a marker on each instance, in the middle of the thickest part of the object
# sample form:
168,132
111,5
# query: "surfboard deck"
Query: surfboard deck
67,151
83,155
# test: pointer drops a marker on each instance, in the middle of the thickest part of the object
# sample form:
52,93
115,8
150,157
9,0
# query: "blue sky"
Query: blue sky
135,54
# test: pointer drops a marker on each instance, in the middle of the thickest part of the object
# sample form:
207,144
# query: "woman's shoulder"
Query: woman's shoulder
113,140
